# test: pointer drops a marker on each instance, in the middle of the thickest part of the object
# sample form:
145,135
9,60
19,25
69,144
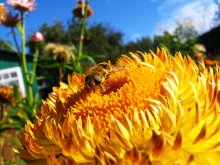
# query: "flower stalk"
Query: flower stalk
34,64
82,11
24,62
82,30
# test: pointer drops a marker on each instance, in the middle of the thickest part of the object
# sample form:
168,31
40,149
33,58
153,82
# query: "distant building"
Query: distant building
11,72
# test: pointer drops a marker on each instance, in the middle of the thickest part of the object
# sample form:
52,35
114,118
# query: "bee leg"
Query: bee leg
102,87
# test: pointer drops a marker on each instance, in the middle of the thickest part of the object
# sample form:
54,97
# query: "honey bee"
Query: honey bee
98,74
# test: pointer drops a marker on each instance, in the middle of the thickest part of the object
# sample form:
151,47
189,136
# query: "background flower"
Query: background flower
3,11
159,110
11,20
59,51
6,94
199,51
23,5
79,10
37,37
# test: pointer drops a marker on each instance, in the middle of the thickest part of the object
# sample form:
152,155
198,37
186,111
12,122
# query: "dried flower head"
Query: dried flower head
153,109
23,5
79,10
199,48
6,94
11,20
59,51
199,51
3,11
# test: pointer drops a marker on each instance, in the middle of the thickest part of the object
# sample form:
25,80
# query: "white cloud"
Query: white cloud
200,12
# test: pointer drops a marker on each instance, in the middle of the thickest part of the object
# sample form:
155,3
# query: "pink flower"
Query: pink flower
23,5
37,37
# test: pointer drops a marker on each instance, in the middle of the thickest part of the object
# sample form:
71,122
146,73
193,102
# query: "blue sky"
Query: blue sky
133,18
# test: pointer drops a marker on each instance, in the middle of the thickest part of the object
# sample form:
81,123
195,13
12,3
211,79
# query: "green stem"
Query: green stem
81,37
60,73
82,28
24,62
34,65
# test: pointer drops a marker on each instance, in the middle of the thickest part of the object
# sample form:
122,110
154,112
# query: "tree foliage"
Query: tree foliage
100,41
144,44
183,39
54,33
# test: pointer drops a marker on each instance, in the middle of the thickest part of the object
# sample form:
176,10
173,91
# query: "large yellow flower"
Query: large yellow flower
157,110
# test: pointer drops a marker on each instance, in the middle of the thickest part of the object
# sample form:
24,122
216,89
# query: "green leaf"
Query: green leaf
87,58
78,68
18,161
46,77
68,66
16,94
7,45
12,126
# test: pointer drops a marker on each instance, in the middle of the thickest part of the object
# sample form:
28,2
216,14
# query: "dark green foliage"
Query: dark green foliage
211,40
103,43
100,41
72,32
144,44
54,33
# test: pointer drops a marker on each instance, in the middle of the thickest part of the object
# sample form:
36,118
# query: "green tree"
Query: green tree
55,33
101,41
183,38
144,44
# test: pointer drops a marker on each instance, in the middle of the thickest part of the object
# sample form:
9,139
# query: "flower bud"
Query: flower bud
37,37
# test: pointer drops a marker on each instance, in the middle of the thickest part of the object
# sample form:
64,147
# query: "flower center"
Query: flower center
123,92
